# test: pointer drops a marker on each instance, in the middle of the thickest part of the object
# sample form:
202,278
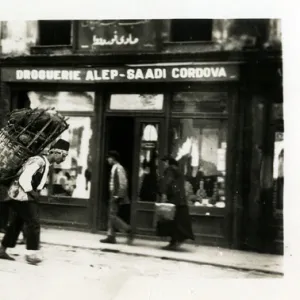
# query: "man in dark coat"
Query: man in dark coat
173,191
118,186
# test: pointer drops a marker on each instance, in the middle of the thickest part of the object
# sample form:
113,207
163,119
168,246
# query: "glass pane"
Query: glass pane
278,175
136,102
148,168
63,101
200,147
201,102
72,178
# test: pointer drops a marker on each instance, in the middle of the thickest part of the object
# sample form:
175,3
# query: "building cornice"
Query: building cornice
251,56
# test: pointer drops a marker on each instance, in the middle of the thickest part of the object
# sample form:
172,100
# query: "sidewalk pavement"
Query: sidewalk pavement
197,254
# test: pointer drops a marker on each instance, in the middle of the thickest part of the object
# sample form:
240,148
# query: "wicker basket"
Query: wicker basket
19,140
23,127
12,155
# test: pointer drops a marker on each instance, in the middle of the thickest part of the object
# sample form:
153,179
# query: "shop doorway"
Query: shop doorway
139,142
120,137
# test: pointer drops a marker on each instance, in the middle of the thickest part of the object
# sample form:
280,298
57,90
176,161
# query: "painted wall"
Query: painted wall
17,37
230,35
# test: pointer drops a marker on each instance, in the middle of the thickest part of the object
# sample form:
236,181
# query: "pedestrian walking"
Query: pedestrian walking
23,197
172,191
118,186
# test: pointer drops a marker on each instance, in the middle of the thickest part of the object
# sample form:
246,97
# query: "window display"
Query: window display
148,169
72,178
278,175
200,147
63,101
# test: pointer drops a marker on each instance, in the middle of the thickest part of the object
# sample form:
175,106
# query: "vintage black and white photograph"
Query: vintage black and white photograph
137,154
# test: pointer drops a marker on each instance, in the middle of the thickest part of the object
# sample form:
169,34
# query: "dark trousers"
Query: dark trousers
4,214
25,213
114,221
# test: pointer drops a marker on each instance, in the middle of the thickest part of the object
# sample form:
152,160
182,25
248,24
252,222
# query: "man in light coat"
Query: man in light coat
118,186
23,197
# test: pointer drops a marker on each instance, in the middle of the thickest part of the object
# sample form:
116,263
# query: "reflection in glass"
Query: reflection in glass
63,101
148,168
136,102
72,177
202,102
278,175
200,147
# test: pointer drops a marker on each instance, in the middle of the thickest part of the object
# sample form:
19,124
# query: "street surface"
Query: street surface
72,273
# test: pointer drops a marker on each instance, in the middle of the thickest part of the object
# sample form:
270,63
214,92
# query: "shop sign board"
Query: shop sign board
220,72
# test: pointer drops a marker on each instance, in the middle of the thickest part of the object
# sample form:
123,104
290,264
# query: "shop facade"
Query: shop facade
193,112
217,112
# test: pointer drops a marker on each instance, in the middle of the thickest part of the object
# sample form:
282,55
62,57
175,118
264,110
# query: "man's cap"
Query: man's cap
61,145
114,154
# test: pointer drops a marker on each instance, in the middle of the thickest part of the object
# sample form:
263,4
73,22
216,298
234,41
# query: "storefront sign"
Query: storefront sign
144,74
116,35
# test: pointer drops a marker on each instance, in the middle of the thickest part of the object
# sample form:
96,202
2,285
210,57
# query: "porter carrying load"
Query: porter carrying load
27,133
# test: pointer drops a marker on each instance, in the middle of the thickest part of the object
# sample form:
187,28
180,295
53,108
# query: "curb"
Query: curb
107,250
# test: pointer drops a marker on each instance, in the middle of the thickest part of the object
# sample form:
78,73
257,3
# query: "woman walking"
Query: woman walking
172,191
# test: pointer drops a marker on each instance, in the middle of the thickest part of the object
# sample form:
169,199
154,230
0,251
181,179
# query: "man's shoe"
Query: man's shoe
172,246
109,240
130,237
4,255
33,259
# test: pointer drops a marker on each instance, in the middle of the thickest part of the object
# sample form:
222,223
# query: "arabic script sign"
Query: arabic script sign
133,74
116,35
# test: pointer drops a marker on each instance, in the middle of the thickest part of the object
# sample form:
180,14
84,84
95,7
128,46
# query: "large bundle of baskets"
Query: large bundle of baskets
27,133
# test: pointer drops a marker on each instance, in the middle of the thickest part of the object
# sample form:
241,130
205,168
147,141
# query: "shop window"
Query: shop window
63,101
278,168
53,33
200,147
201,102
191,30
148,168
72,178
136,102
258,28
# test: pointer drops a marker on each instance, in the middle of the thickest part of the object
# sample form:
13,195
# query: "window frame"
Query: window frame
189,42
230,90
50,199
56,45
48,49
221,131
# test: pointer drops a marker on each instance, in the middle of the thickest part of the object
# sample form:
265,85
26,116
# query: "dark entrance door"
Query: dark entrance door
119,137
150,140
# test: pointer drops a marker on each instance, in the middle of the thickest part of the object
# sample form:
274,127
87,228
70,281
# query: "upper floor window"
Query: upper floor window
53,33
191,30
